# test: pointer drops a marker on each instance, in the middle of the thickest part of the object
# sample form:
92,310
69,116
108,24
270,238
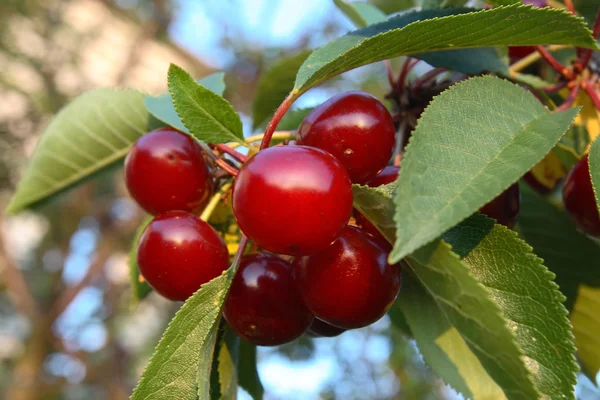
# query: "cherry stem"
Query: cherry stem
554,88
239,253
281,135
406,68
390,74
587,55
283,107
229,168
427,77
570,7
554,63
570,99
592,93
223,148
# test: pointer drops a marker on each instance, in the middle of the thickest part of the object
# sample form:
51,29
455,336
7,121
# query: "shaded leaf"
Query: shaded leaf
586,325
228,360
469,307
567,252
502,2
274,86
442,347
594,164
180,358
139,286
471,143
361,14
208,116
248,375
392,6
162,107
531,304
466,304
90,134
401,35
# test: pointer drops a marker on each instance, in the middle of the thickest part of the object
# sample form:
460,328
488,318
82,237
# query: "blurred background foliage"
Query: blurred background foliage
68,329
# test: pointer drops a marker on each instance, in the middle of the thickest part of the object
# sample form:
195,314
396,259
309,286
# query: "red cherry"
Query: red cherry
356,128
579,199
292,200
264,306
388,175
320,328
165,171
504,208
178,252
350,284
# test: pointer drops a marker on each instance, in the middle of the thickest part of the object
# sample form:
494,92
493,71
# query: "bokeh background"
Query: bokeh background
67,326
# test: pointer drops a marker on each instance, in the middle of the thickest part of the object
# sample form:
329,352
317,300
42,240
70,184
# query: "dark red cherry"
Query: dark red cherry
350,284
292,200
320,328
504,208
263,305
579,199
178,252
388,175
356,128
165,171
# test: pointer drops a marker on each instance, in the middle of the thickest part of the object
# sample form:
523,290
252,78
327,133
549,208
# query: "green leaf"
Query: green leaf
274,86
292,119
469,307
567,252
471,143
162,107
392,6
401,35
248,375
586,325
91,133
361,14
467,61
377,206
594,164
140,288
531,304
228,359
180,358
442,347
208,116
502,2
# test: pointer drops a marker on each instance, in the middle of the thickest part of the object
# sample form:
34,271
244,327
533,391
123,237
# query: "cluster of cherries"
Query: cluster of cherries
315,273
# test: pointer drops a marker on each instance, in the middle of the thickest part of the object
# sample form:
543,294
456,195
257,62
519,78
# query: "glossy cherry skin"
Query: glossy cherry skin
165,171
178,252
320,328
292,200
579,199
388,175
350,284
263,305
504,208
356,128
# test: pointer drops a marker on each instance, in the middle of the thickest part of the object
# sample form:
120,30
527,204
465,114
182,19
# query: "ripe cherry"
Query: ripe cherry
263,305
178,252
579,199
388,175
356,128
165,171
504,208
292,200
350,284
320,328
